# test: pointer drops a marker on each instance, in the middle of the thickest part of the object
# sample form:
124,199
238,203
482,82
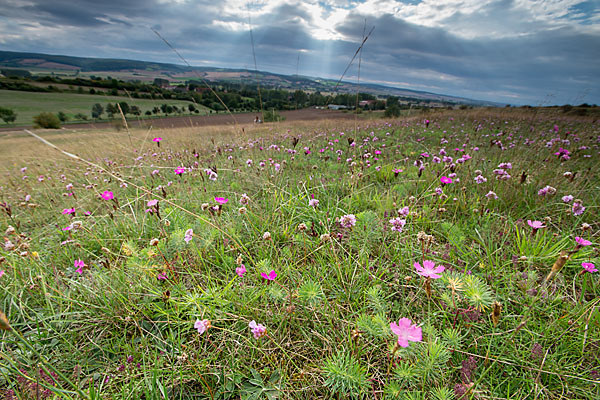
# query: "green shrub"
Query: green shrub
46,120
273,116
7,115
392,111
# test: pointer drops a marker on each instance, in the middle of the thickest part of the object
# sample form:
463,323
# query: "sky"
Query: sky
537,52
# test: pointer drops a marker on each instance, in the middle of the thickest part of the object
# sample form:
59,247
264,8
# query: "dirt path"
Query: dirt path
306,114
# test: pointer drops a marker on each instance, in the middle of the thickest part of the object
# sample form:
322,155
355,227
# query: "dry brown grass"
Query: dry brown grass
18,147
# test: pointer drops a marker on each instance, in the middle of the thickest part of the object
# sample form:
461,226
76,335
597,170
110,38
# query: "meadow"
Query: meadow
29,104
451,255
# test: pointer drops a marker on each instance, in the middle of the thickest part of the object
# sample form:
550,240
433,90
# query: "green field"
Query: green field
29,104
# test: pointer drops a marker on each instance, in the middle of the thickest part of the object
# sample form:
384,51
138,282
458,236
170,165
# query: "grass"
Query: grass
124,327
29,104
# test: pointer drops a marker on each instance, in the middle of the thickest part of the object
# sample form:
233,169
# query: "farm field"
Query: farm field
29,104
450,255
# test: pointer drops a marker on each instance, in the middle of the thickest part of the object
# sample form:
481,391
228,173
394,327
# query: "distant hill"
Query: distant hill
147,71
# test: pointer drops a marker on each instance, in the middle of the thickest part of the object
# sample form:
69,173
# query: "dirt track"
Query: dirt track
211,120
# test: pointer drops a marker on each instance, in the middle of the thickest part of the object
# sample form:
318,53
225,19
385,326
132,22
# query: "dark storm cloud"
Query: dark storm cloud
531,66
535,59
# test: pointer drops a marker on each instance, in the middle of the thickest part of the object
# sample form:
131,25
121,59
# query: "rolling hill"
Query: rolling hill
61,65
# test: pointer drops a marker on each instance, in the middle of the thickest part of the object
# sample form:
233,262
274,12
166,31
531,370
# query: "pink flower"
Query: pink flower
270,277
568,198
258,330
582,241
162,276
313,203
107,195
189,234
67,211
578,208
79,264
397,224
1,273
221,200
406,331
152,203
241,270
491,195
445,180
348,221
429,270
535,224
589,267
202,326
179,170
157,139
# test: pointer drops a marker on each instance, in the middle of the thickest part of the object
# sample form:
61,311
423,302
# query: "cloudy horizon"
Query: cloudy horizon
508,51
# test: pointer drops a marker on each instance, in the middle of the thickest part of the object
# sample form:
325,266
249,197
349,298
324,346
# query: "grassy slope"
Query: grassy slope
29,104
328,312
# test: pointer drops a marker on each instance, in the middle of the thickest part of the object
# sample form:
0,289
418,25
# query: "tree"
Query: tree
46,120
111,110
62,116
125,107
192,108
7,115
392,100
135,110
97,110
392,111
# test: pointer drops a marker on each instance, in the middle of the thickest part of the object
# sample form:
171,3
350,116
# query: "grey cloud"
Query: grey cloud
562,60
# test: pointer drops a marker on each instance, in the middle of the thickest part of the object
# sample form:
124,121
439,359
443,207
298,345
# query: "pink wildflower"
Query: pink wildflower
107,195
161,276
221,200
179,170
479,179
429,270
348,221
535,224
67,211
397,224
313,203
202,326
157,139
1,273
152,203
582,241
406,331
445,180
241,270
244,200
589,267
189,234
404,211
270,277
79,264
578,208
568,198
258,330
491,195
